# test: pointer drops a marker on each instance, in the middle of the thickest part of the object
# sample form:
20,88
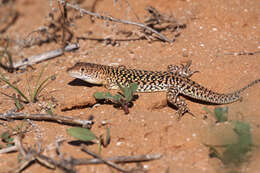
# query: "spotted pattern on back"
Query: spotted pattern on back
151,81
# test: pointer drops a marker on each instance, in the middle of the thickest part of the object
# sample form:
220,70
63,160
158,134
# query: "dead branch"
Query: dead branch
47,117
57,29
162,22
241,53
112,19
109,163
68,164
8,149
29,155
109,41
120,159
48,55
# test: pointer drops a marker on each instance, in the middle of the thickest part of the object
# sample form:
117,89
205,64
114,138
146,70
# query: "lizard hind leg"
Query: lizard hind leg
183,70
174,98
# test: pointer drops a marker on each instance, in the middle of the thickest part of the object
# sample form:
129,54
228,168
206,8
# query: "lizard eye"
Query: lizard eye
82,69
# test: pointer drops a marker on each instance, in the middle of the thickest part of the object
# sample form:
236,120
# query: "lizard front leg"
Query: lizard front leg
183,70
174,98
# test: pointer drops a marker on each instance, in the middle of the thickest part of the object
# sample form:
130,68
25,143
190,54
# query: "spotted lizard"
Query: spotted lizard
175,82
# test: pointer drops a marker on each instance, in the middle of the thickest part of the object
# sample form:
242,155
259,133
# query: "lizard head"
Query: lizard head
89,72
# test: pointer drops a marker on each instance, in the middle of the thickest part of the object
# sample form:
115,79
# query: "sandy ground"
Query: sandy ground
214,28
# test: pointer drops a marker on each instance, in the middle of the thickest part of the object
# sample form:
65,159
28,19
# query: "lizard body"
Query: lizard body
175,82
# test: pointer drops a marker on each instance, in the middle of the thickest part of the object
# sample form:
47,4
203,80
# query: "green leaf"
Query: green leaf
9,140
208,111
242,129
10,144
121,87
99,146
133,87
128,94
14,87
5,135
100,95
236,153
17,103
129,91
81,134
221,114
108,96
117,98
49,111
107,137
122,98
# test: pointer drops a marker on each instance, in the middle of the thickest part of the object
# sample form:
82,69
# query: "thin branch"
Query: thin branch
112,19
48,55
109,163
8,149
30,155
119,159
68,164
108,39
241,53
47,117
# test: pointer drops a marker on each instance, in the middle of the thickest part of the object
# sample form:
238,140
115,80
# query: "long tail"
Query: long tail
248,86
235,96
201,93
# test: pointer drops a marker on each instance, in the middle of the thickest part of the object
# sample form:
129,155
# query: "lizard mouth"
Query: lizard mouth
87,78
75,75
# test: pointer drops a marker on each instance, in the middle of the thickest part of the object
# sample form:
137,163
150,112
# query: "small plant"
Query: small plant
235,153
7,138
17,103
50,110
123,98
33,96
87,135
220,113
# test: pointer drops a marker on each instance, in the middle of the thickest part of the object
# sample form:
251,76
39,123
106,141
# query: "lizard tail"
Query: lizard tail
201,93
248,86
235,96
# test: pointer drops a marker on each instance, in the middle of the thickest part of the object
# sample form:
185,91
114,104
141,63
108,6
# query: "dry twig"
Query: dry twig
120,159
29,155
48,55
109,163
8,149
241,53
47,117
112,19
68,164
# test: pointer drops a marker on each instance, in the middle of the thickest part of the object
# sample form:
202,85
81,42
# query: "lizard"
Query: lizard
175,81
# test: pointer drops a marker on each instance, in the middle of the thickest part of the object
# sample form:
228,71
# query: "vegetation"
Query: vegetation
232,154
33,94
87,135
220,113
122,99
